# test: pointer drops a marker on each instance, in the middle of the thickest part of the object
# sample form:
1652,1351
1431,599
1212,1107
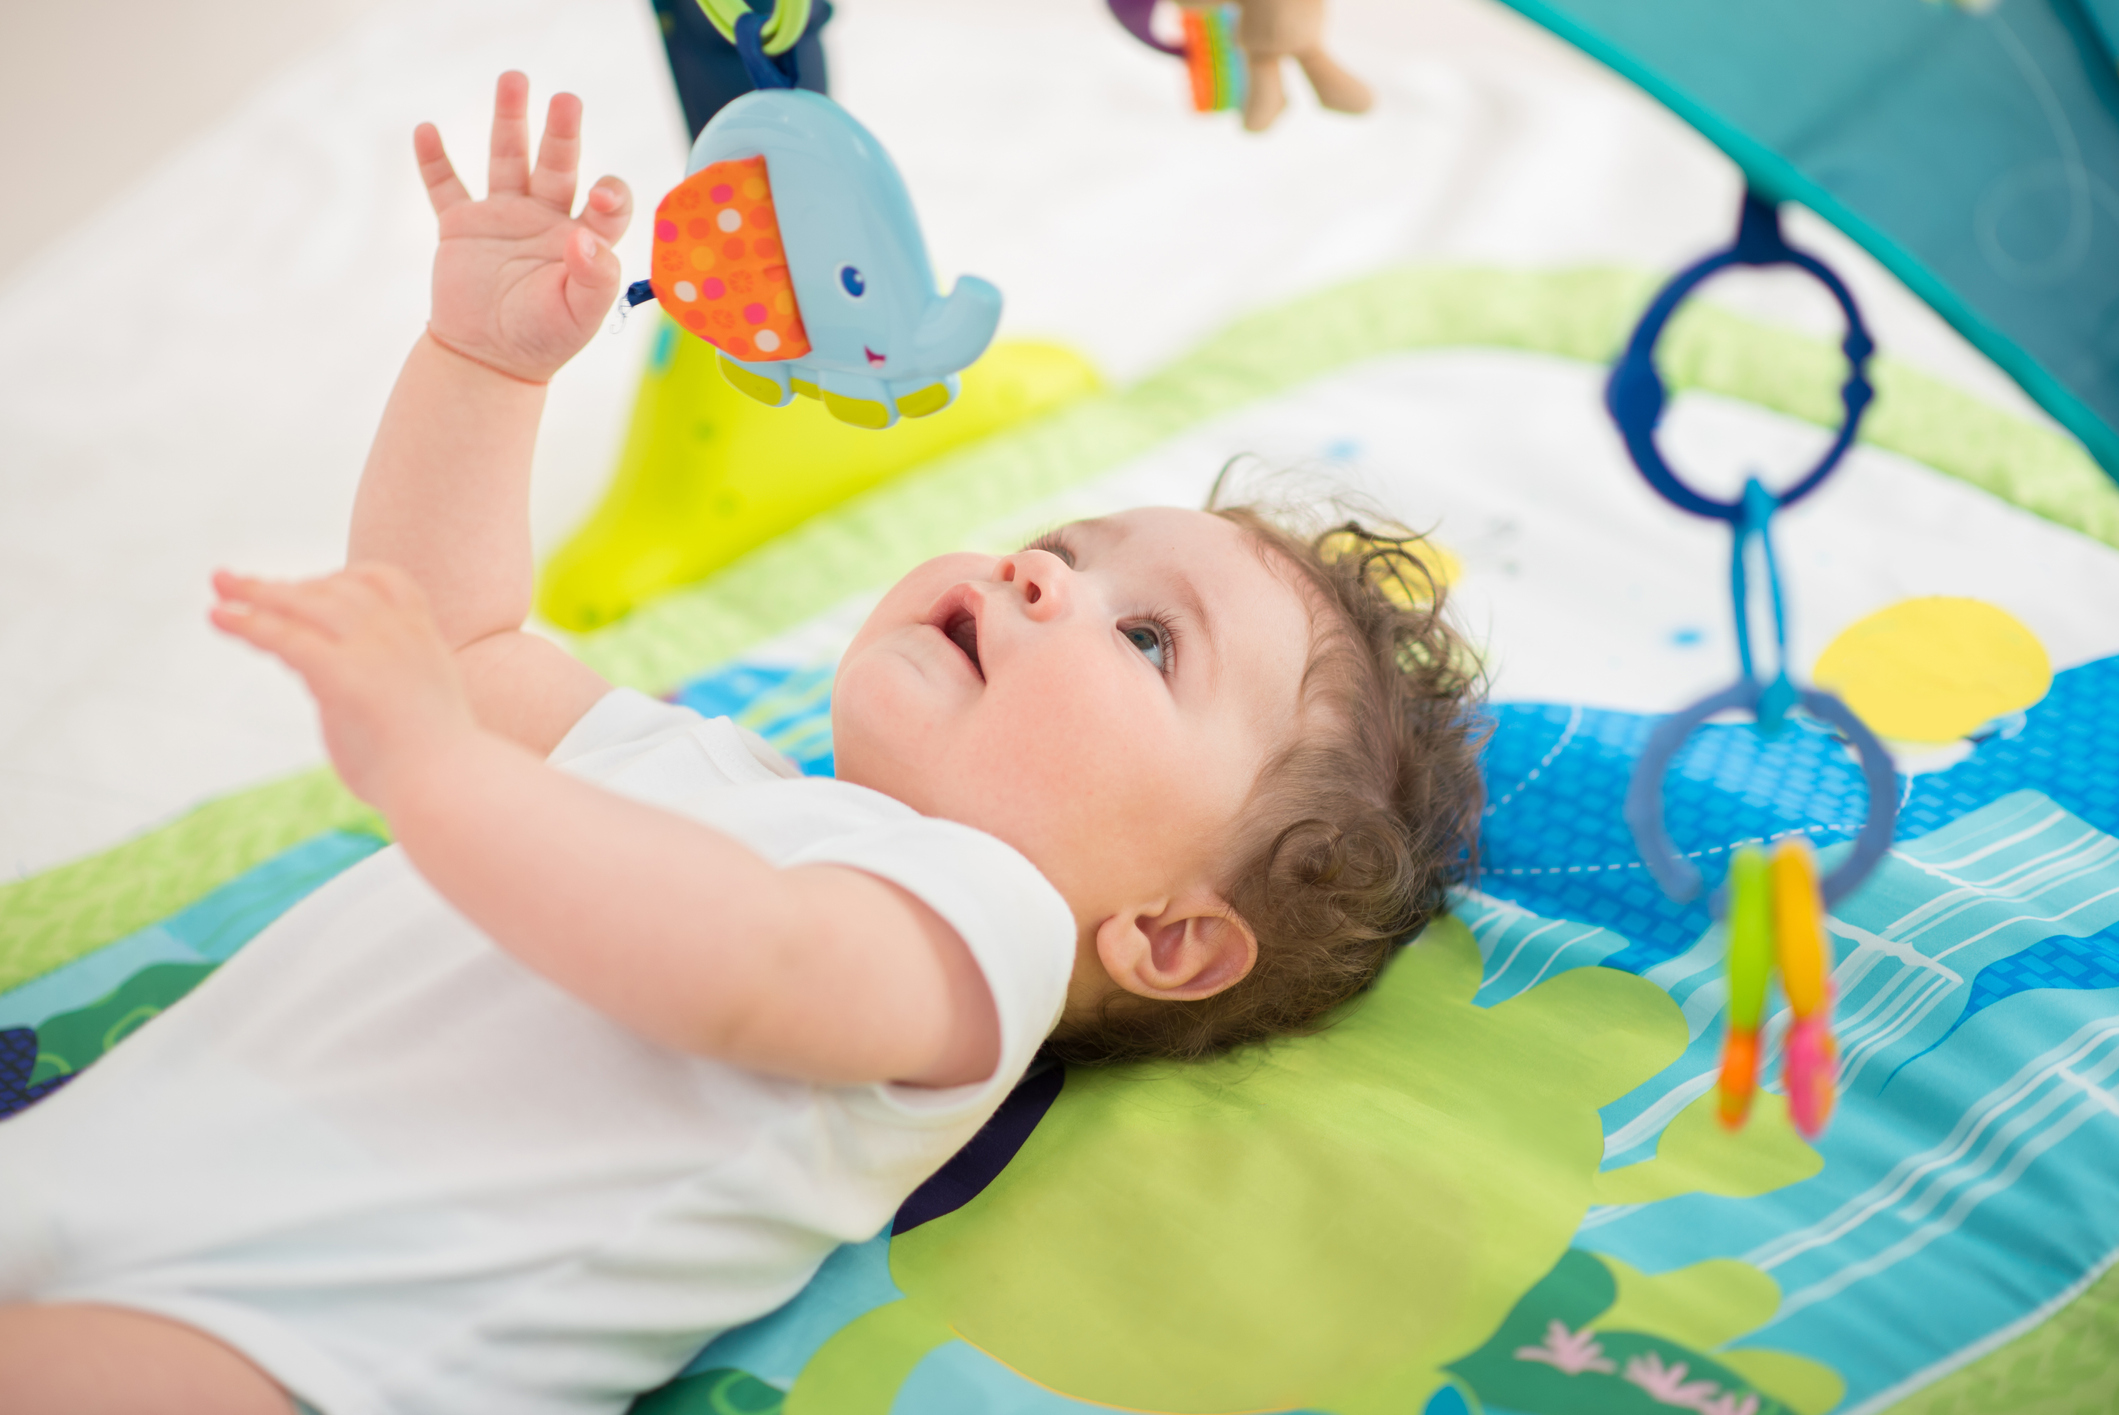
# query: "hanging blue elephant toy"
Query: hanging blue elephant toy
791,246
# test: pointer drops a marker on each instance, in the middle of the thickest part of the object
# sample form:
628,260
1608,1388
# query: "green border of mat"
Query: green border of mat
55,917
2065,1365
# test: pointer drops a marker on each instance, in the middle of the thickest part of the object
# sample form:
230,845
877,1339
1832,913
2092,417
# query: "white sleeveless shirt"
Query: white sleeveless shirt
403,1173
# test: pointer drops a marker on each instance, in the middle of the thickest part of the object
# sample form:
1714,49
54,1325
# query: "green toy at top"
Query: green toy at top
1325,1223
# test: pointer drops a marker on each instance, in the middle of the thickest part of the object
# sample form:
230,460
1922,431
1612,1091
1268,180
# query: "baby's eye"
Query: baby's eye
852,282
1149,642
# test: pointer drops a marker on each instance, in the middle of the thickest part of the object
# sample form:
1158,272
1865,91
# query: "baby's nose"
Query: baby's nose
1042,578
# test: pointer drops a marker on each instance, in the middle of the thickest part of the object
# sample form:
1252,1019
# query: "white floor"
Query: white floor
192,367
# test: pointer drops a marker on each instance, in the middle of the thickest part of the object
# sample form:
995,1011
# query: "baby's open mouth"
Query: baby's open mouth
875,360
962,630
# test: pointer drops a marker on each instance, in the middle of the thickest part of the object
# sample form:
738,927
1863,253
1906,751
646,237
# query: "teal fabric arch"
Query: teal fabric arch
1973,149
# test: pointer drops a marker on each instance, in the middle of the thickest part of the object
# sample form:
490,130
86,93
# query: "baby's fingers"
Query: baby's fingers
301,646
592,275
508,169
559,154
609,209
444,188
333,606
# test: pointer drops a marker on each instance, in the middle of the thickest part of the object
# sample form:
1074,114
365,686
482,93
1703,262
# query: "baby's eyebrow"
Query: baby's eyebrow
1193,603
1051,542
1189,599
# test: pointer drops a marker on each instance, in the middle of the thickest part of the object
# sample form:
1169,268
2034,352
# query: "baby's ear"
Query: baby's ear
1189,948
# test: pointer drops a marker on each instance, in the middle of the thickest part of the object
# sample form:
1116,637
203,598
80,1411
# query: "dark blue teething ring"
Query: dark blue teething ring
1634,395
1644,794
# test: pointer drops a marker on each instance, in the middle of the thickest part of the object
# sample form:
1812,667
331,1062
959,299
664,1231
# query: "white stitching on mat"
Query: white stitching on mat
1574,720
1638,865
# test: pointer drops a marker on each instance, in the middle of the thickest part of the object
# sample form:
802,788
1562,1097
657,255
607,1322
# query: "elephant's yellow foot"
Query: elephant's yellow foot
771,394
861,412
931,399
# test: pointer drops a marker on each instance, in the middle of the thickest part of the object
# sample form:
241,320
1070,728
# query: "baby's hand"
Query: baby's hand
364,641
520,284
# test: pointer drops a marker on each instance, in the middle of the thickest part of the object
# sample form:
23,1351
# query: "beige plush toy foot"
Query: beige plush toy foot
1272,30
1264,98
1337,89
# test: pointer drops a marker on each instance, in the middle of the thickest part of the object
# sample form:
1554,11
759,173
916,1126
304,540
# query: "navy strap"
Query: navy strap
764,71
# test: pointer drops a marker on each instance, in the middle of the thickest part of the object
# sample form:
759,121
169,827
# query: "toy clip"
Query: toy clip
1750,971
1810,1054
1776,926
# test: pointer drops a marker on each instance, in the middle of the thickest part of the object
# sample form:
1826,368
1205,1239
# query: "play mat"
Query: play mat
1496,1183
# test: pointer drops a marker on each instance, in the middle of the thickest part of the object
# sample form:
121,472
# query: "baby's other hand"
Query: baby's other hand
366,644
520,283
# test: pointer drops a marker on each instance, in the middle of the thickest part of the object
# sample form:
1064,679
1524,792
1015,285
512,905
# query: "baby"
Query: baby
634,1025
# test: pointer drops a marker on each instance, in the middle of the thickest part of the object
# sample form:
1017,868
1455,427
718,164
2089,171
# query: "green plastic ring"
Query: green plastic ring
782,28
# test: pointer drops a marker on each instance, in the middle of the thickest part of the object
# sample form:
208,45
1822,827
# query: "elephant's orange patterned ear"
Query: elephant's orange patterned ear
719,269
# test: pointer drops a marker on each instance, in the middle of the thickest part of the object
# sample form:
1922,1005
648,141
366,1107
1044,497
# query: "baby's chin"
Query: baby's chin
886,745
914,761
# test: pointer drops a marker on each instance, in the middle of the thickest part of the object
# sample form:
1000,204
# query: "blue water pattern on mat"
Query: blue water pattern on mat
1967,1171
789,707
1555,840
209,931
1519,949
959,1379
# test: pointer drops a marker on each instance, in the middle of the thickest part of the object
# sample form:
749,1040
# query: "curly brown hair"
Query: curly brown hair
1355,832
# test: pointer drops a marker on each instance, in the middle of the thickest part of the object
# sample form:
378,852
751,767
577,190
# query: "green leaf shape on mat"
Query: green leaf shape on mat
1594,1335
724,1391
1696,1153
72,1040
1578,314
53,918
1322,1222
1709,1305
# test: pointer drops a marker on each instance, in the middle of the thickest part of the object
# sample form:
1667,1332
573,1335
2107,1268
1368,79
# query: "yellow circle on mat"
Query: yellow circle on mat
1406,590
1933,669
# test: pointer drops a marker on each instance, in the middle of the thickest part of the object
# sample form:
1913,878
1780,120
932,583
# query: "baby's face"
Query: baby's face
1103,700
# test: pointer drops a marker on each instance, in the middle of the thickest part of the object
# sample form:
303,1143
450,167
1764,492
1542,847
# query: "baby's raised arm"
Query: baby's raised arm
437,707
520,285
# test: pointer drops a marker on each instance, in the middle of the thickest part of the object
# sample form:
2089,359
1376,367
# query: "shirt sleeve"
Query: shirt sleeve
1018,928
621,715
625,715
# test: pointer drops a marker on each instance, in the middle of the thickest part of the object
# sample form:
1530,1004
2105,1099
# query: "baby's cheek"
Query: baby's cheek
876,722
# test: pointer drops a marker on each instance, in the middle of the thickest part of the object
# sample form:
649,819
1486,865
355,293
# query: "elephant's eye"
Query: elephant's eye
852,282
